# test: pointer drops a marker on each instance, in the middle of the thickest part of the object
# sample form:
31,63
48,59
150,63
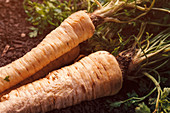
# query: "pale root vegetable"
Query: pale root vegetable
94,76
75,29
59,62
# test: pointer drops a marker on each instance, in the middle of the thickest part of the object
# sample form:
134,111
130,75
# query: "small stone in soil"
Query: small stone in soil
23,35
7,1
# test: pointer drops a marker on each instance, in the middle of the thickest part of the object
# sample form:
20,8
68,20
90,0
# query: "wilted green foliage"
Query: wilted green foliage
48,14
143,108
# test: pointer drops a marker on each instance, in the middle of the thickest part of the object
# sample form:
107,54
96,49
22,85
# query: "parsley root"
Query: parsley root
94,76
61,61
75,29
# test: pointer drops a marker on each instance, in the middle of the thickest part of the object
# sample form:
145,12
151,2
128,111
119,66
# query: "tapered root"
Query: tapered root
92,77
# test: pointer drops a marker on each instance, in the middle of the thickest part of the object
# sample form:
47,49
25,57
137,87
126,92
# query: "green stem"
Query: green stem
167,49
136,99
144,9
158,89
155,61
142,29
150,55
147,10
98,3
114,6
161,9
161,65
158,24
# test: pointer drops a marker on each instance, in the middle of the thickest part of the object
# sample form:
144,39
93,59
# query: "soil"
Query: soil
15,42
14,29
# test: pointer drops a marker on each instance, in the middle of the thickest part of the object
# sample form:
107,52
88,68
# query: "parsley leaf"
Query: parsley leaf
7,78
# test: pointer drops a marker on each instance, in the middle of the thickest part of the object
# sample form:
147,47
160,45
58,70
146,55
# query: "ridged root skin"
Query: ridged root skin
77,28
94,76
58,63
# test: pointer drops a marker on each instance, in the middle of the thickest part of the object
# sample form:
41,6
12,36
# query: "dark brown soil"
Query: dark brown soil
15,42
14,39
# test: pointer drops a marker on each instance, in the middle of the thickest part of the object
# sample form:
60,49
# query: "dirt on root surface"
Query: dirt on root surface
15,42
